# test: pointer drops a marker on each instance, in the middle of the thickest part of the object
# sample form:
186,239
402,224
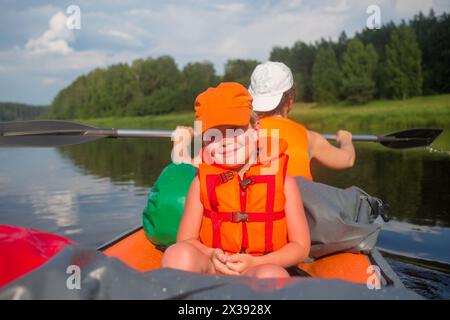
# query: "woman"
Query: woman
272,88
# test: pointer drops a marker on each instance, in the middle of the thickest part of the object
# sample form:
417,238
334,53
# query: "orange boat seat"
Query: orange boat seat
142,255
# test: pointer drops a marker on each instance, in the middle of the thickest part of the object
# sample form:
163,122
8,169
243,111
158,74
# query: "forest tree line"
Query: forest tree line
10,111
393,62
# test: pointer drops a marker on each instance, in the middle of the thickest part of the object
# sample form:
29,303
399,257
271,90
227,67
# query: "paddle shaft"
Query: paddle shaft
372,138
124,133
168,133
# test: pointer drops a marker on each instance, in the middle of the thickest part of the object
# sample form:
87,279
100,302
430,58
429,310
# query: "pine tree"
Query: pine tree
358,67
403,64
326,76
239,70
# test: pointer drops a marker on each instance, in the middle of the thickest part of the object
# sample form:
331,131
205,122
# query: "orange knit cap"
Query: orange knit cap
227,104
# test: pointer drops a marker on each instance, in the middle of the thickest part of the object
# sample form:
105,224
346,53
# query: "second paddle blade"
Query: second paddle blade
413,138
43,133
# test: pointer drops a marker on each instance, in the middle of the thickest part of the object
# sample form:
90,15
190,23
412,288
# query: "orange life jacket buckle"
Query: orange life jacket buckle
245,183
239,217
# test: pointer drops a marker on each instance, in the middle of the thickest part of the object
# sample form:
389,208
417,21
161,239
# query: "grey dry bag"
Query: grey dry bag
341,220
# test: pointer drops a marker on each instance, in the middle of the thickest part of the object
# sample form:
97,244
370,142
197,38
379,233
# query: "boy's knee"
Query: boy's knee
271,271
179,256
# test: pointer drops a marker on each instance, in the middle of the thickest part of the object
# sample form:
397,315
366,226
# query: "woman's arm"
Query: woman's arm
297,248
330,156
191,220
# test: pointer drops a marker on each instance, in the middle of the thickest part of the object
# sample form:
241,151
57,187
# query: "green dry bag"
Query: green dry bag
165,204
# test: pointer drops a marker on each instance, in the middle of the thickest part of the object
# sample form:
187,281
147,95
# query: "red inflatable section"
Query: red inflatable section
23,250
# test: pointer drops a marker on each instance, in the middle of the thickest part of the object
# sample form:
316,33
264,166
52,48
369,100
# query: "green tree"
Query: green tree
239,70
358,66
326,76
340,45
281,54
433,38
122,87
302,61
98,99
69,102
155,74
379,39
160,85
403,64
197,77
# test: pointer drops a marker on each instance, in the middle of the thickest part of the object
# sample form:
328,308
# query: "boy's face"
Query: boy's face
229,146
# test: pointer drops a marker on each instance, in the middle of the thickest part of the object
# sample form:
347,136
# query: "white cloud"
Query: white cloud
282,28
44,10
411,7
217,33
121,36
340,6
294,3
43,75
49,81
231,7
55,40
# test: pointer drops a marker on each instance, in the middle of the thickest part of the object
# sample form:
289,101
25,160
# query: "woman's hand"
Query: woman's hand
330,156
343,137
219,260
240,262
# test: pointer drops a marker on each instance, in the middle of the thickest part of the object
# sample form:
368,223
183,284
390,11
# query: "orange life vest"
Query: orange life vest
245,215
296,137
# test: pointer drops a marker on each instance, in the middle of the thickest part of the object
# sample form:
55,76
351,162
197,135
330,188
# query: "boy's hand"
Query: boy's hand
219,260
343,137
240,262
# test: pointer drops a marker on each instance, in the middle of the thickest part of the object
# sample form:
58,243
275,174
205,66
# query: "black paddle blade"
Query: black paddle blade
413,138
43,133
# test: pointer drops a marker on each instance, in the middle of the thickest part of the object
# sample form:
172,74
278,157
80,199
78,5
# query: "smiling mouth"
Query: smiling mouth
227,150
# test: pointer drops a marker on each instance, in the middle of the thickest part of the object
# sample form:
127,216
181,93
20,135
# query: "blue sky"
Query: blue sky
39,55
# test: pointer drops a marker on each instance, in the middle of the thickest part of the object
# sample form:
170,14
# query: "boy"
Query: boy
240,217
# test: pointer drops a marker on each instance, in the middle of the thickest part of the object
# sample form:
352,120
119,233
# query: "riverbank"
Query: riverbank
430,111
376,116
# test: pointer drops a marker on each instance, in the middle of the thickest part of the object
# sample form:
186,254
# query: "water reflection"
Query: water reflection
415,183
39,189
122,160
429,244
57,206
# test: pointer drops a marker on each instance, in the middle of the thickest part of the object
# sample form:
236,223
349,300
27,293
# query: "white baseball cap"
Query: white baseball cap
268,82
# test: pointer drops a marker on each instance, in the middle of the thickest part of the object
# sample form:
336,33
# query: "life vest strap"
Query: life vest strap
243,216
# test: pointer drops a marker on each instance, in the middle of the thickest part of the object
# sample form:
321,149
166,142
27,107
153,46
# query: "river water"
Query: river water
93,192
